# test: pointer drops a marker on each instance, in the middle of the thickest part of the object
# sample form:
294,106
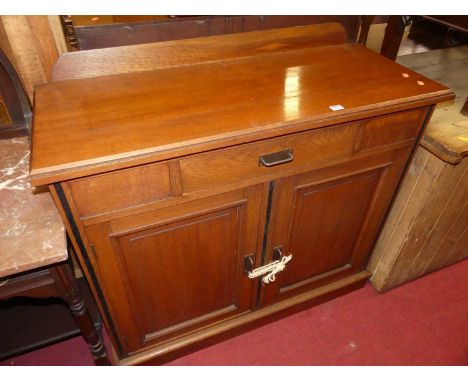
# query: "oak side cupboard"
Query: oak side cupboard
224,184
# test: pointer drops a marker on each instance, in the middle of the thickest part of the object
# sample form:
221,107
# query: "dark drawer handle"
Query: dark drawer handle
273,159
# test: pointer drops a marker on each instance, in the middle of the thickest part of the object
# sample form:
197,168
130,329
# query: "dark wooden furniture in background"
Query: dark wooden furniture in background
445,31
57,281
15,110
191,174
393,35
29,324
365,24
120,31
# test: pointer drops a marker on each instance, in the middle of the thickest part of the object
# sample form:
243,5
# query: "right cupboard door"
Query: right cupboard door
328,220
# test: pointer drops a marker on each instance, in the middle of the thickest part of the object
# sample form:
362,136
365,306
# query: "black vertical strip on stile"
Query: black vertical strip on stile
265,236
79,241
426,120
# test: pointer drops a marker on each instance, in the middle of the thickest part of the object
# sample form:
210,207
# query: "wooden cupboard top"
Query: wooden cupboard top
92,125
159,55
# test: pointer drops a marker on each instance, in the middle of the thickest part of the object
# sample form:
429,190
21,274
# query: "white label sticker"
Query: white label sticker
336,107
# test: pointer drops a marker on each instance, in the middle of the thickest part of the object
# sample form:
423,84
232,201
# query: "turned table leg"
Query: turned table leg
70,292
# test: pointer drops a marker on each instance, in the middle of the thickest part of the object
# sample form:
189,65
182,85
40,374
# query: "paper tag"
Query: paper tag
336,107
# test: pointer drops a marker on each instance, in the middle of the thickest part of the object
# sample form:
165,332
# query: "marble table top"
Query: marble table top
32,234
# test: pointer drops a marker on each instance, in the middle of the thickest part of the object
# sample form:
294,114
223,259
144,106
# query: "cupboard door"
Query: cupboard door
328,220
170,271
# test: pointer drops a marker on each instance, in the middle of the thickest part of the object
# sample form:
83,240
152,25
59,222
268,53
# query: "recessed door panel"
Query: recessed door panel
328,220
325,226
172,271
184,272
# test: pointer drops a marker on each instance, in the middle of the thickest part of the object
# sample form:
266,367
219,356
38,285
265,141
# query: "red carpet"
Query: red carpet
421,323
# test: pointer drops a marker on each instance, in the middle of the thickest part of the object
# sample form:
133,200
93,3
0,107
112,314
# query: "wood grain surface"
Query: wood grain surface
151,56
137,118
168,261
427,227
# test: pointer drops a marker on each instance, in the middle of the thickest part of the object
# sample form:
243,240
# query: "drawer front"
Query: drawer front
235,164
311,149
120,189
394,128
281,156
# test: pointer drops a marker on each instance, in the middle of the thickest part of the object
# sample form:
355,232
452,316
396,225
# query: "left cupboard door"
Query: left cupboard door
167,272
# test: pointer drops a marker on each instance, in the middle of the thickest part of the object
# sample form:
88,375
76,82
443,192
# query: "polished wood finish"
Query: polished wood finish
328,221
239,163
297,96
128,187
151,56
262,164
383,131
320,248
197,248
